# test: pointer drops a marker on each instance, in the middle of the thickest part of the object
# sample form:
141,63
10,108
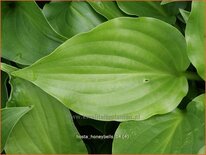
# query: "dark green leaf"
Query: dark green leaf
173,8
99,125
147,9
71,18
109,10
4,94
26,34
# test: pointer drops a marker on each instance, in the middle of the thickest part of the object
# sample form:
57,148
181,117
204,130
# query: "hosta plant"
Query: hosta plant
103,77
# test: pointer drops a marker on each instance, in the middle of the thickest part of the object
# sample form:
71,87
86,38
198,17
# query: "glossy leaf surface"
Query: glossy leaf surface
47,128
26,34
177,132
71,18
147,9
195,36
108,9
9,117
125,69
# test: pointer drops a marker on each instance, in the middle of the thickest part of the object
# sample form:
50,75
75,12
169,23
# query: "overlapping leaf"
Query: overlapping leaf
71,18
176,132
163,2
26,34
4,95
195,36
147,9
109,10
179,3
10,116
5,70
185,14
173,7
125,69
8,68
47,128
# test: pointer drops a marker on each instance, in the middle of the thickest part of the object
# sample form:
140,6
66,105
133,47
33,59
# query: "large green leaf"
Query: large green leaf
109,10
147,9
125,69
26,34
71,18
10,116
176,132
47,128
195,36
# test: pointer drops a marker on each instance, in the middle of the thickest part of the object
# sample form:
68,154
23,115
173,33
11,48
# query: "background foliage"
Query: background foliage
65,62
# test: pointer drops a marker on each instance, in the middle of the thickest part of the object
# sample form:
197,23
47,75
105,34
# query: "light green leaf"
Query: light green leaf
26,34
47,129
185,14
163,2
177,132
202,150
10,117
147,9
71,18
195,36
125,69
8,68
109,10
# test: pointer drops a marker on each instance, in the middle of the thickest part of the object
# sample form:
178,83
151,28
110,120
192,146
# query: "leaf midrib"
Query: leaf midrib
167,141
